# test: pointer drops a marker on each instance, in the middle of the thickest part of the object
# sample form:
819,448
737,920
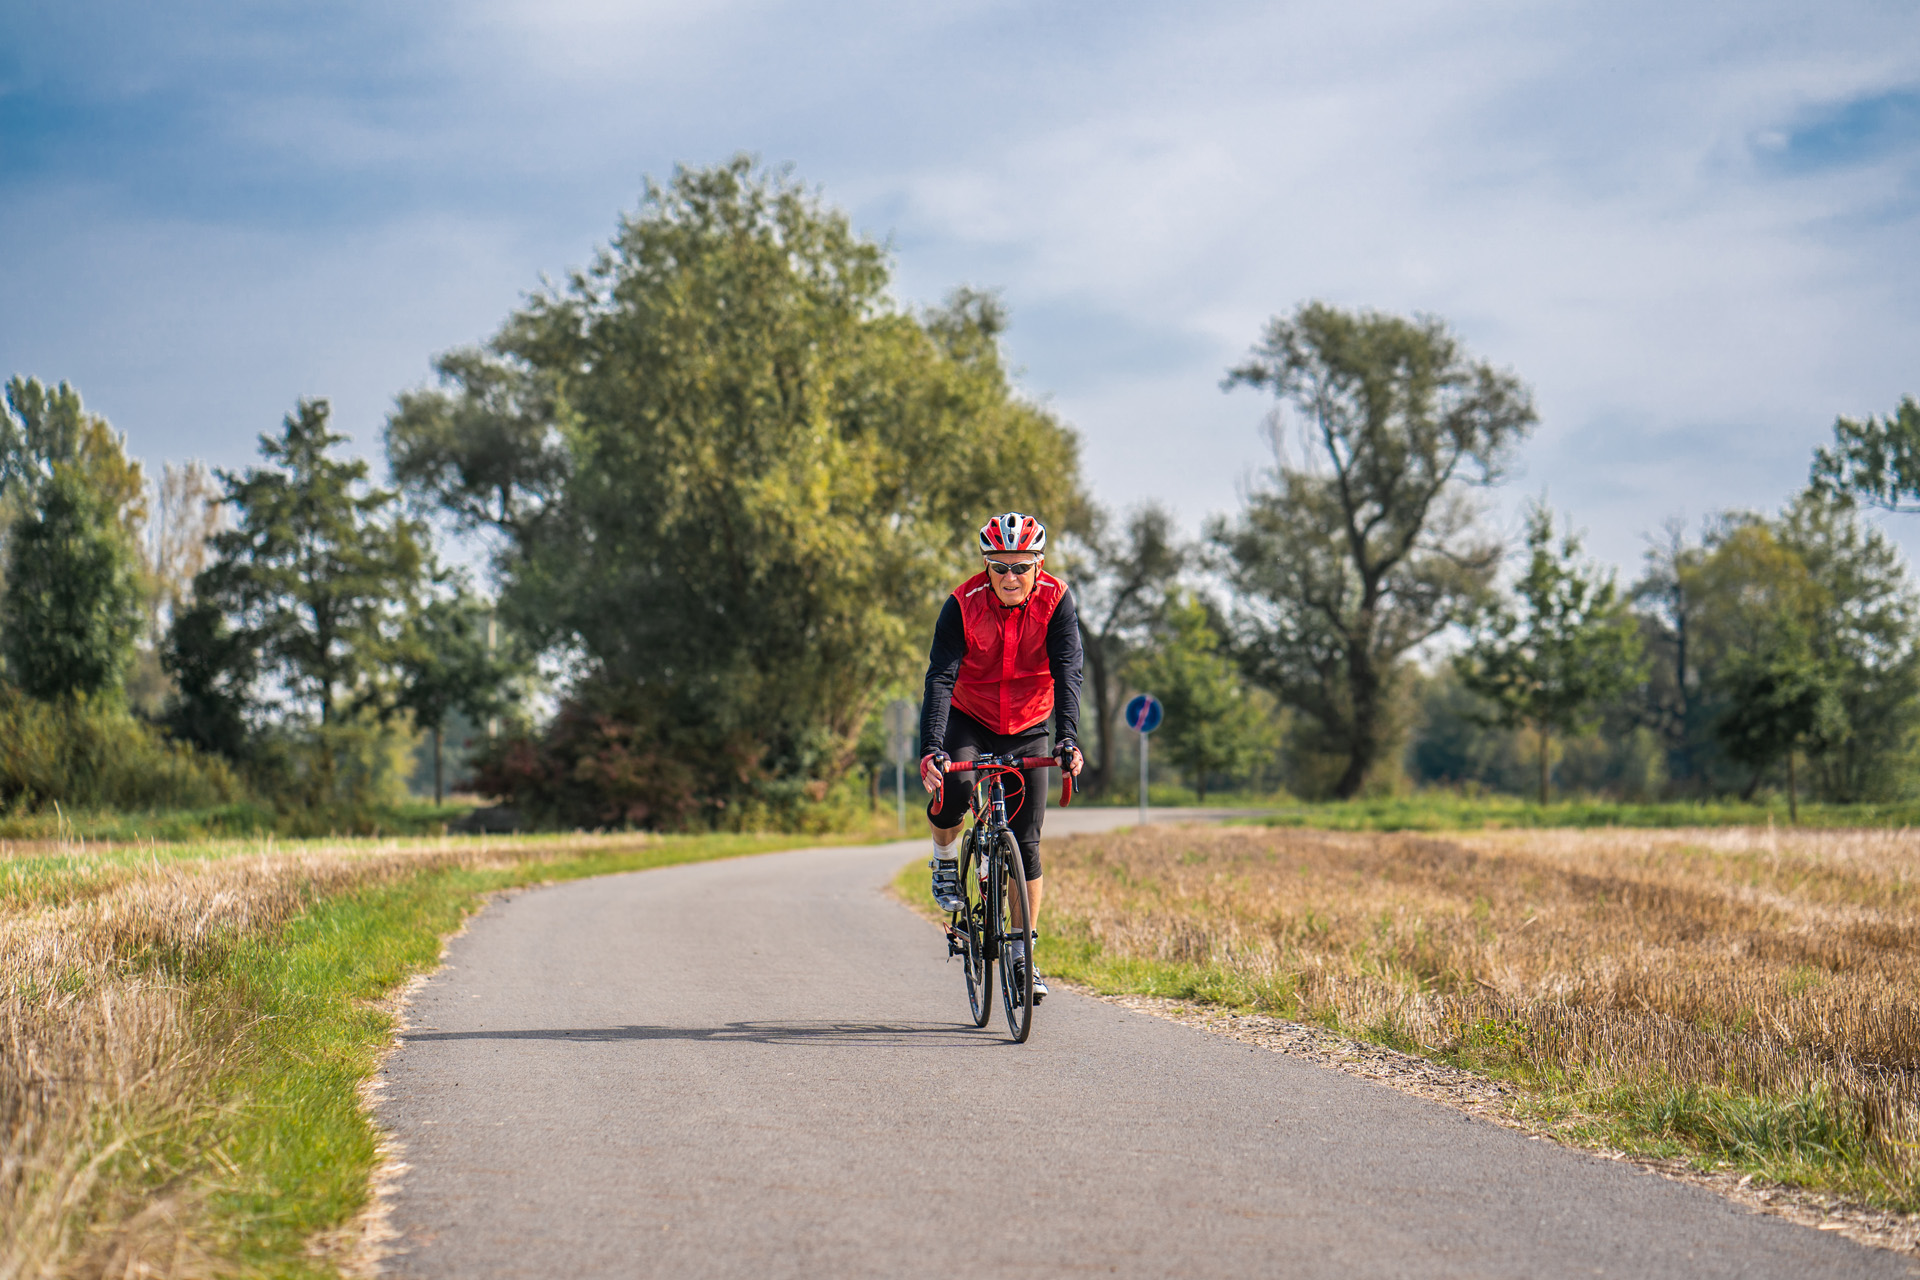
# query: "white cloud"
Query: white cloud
1657,290
207,335
1597,195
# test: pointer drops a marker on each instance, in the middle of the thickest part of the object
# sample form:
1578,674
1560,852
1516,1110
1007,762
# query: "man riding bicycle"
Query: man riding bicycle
1006,654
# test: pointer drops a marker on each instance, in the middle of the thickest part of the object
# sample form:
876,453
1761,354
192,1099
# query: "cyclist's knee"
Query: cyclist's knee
955,797
1030,860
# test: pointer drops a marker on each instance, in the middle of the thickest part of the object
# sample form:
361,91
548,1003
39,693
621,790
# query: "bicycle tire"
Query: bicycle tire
1016,981
978,961
994,901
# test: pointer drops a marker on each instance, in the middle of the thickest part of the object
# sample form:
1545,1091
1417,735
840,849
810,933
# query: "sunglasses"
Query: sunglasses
1001,566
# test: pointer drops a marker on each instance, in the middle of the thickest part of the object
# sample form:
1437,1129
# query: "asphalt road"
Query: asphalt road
763,1067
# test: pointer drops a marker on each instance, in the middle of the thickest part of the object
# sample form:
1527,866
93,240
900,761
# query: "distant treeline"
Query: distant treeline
722,481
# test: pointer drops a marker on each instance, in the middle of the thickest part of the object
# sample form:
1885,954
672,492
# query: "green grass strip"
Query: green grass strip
1445,811
230,821
1460,811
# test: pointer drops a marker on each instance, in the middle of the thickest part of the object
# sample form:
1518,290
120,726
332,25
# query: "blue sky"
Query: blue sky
1692,228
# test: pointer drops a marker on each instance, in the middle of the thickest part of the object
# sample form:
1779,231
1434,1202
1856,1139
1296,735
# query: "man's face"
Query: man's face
1013,588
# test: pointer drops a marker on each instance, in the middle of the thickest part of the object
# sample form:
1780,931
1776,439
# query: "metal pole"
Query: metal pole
1143,778
900,792
493,722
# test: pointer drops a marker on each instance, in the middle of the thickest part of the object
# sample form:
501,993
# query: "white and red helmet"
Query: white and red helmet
1013,532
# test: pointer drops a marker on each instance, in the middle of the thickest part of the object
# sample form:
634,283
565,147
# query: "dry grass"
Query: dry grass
1743,995
111,1123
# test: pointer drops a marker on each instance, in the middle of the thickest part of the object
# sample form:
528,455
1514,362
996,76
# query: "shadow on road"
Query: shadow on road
904,1034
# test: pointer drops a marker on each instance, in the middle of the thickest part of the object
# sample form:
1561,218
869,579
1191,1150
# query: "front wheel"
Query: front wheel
1016,979
972,924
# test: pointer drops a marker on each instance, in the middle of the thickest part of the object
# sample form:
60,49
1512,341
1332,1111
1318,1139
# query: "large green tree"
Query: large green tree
1875,460
489,446
1741,582
73,603
45,427
1781,698
317,578
71,505
1863,624
1366,544
724,467
1568,646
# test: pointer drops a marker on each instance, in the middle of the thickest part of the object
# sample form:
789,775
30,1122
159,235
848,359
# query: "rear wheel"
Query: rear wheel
972,925
1016,980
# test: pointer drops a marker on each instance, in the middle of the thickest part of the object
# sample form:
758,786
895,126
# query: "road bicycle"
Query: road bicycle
993,885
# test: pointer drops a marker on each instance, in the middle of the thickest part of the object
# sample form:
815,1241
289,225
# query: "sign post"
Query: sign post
1143,717
900,733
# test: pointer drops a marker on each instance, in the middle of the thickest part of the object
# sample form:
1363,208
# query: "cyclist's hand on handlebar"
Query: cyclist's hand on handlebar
1070,758
933,770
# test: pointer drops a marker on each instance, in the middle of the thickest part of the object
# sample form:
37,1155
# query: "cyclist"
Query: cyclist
1006,654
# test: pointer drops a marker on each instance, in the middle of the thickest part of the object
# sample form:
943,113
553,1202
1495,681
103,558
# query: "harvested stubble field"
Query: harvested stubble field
1741,997
184,1032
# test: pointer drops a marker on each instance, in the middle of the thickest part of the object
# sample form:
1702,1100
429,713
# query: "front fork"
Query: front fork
956,939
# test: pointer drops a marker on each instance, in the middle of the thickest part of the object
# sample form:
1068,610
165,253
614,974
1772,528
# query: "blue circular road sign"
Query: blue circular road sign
1143,713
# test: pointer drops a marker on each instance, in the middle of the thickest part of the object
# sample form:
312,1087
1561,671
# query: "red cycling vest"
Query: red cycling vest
1005,681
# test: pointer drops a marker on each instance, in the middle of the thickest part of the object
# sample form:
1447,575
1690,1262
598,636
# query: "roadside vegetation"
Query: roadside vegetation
185,1030
1742,997
1442,809
1448,811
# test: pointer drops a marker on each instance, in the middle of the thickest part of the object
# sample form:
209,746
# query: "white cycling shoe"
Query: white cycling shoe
1040,991
946,884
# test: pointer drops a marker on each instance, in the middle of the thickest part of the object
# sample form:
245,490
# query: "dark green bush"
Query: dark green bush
608,761
83,753
354,766
616,757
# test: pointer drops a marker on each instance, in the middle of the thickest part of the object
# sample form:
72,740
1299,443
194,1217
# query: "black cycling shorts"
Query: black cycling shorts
1026,793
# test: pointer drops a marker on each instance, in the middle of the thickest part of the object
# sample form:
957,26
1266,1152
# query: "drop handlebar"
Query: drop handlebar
1011,763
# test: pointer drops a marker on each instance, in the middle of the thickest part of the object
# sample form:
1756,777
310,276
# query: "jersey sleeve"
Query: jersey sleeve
1066,659
943,665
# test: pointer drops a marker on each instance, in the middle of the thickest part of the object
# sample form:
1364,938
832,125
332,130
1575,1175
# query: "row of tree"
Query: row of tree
1361,598
280,617
1735,659
717,477
722,480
